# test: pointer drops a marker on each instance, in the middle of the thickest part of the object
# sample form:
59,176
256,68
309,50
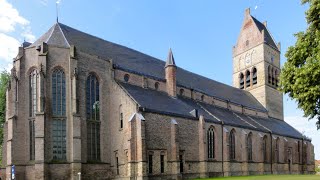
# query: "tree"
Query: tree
300,76
4,82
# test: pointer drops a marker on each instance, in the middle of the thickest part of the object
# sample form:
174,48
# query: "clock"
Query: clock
248,60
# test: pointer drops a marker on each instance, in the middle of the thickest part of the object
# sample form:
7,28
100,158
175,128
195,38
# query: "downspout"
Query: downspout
222,123
271,157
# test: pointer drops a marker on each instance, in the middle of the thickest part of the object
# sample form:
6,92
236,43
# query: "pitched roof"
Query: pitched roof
267,36
181,106
132,60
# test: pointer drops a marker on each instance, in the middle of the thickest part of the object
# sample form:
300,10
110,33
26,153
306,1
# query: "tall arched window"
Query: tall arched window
247,78
241,82
269,74
59,149
264,148
93,118
211,143
254,76
277,150
232,147
249,146
33,94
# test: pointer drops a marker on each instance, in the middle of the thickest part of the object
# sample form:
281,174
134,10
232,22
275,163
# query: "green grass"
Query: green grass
270,177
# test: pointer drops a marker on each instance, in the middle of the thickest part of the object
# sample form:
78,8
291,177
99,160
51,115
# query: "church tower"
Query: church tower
256,65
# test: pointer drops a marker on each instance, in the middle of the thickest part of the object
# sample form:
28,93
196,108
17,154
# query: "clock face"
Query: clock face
248,60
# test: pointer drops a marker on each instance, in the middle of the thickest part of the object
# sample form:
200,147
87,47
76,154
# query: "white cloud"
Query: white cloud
27,34
9,49
11,22
44,2
308,128
10,17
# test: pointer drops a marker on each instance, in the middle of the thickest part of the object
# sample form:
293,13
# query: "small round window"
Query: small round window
126,77
156,85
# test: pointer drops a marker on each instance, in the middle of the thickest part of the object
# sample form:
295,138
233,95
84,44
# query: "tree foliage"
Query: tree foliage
4,81
300,76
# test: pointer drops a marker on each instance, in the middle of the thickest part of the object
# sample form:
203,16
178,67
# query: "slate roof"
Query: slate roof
134,61
267,36
170,59
159,102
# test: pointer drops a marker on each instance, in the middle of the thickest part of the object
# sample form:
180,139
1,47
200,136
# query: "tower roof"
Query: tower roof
170,59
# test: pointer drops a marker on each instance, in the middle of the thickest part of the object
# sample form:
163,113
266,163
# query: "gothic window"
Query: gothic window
181,92
121,116
264,148
58,115
126,77
202,97
232,147
33,92
269,74
247,78
241,84
33,80
93,118
156,85
277,150
117,165
211,143
254,76
249,146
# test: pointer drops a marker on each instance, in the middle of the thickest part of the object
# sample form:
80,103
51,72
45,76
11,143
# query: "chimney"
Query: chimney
170,70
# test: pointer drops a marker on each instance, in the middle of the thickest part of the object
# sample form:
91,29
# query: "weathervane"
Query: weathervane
57,3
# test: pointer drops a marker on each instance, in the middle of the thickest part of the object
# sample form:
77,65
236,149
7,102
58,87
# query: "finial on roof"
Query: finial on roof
57,12
247,12
170,59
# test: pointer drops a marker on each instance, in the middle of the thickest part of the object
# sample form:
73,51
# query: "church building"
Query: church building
81,106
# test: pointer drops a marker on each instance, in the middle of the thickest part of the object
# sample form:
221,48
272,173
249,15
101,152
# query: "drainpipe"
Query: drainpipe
222,147
271,157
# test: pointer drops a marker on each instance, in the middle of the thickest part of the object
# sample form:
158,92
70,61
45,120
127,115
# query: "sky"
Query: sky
200,33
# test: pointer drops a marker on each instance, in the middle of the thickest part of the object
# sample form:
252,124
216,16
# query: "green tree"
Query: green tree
4,81
300,76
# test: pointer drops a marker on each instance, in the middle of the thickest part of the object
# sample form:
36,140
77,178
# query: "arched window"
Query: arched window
33,94
241,82
269,74
181,92
254,75
121,116
33,80
211,143
247,78
59,149
232,147
93,118
264,148
156,85
202,97
277,150
126,77
249,146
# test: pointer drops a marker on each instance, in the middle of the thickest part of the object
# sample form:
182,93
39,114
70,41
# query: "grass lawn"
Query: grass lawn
271,177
